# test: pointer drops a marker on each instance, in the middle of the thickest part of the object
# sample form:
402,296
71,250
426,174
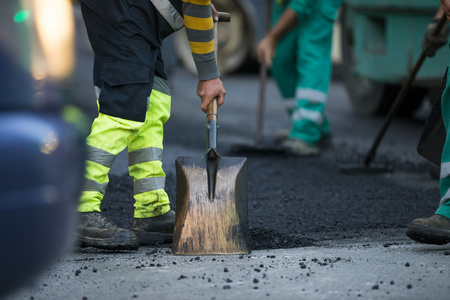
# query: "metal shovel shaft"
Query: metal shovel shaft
212,158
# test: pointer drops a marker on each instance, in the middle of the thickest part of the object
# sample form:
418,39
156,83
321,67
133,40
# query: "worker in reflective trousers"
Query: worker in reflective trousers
134,103
436,229
298,50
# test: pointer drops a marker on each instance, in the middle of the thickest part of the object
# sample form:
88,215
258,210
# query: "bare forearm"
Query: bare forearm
445,6
288,20
439,13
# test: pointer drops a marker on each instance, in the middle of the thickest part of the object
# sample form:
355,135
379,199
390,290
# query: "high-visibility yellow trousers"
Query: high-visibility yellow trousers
111,135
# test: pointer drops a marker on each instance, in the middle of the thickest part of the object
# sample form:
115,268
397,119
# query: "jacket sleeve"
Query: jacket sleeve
303,8
306,8
200,32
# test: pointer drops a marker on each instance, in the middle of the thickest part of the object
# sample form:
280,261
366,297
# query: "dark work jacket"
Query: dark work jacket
117,13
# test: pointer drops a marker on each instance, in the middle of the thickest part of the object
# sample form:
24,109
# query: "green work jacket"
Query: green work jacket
306,8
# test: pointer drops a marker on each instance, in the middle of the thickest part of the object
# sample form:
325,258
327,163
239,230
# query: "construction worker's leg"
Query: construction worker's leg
283,64
108,138
122,87
283,69
313,67
436,229
123,77
444,183
145,150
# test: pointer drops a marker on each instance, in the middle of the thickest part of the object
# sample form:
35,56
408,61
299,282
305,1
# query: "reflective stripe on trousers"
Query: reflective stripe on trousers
111,135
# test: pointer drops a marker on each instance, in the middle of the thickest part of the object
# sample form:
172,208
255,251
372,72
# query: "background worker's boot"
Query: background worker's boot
95,230
156,230
300,148
433,230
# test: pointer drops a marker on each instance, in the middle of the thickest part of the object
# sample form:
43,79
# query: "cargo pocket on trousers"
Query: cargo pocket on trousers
125,90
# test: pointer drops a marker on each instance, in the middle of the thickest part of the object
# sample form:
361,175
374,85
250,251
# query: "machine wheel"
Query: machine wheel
369,97
235,42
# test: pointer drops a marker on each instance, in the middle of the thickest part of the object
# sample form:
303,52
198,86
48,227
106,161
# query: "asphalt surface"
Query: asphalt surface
316,233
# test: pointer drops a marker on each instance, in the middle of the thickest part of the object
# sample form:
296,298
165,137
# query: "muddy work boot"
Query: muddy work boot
156,230
433,230
94,230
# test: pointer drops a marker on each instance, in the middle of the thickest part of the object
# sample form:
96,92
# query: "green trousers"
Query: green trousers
302,70
444,183
110,136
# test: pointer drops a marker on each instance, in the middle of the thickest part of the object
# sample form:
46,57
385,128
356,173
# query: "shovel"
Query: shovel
211,214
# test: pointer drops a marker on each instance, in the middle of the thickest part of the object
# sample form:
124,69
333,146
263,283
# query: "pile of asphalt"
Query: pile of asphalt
294,201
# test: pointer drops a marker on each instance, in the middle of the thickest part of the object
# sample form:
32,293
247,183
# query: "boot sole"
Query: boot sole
107,244
153,238
427,235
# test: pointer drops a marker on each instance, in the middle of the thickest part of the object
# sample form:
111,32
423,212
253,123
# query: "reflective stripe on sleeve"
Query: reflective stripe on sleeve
169,13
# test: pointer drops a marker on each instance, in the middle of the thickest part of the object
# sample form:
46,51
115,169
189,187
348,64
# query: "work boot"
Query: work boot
300,148
433,230
95,230
156,230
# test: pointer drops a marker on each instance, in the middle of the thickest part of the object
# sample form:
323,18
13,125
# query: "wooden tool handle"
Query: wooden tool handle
224,17
211,113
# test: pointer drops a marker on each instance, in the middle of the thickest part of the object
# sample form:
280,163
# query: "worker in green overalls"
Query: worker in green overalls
436,229
297,49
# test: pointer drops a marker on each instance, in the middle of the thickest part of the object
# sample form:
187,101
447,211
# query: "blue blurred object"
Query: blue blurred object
41,154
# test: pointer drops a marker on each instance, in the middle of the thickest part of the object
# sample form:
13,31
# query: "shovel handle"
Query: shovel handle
212,110
224,17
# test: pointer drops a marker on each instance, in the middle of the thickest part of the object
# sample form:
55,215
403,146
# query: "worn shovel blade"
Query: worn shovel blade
204,226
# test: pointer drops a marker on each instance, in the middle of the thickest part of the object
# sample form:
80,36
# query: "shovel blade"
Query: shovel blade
204,226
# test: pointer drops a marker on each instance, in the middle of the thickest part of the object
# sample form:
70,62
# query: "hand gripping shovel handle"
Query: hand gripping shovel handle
400,97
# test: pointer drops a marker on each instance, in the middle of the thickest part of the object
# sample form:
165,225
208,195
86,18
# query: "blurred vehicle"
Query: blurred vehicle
41,147
381,42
